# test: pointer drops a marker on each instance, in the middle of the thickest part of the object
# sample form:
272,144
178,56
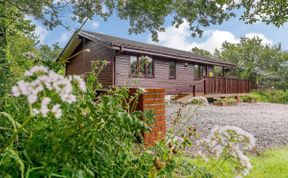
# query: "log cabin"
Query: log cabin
174,70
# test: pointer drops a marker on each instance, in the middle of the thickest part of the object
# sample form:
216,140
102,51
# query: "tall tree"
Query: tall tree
254,60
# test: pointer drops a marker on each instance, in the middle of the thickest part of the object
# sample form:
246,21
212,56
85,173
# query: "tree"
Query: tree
202,52
254,60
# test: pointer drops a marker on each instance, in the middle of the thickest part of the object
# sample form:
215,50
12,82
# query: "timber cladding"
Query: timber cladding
184,76
81,64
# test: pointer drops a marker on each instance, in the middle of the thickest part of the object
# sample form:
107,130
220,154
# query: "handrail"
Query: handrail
196,83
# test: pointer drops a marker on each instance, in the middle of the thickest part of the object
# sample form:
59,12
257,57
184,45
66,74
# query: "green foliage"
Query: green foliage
251,97
273,96
201,52
151,15
255,61
270,163
94,137
226,101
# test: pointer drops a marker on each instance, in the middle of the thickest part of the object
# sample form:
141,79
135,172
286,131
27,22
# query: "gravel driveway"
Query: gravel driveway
267,122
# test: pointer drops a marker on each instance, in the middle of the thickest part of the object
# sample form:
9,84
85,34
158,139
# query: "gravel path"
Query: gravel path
267,122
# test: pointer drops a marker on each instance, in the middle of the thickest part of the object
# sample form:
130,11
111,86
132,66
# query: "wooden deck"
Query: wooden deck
186,97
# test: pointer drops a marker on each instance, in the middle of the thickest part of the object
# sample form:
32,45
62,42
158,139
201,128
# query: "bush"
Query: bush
273,96
199,101
225,101
250,98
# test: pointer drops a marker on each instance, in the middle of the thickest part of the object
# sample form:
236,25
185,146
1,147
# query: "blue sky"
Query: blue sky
213,37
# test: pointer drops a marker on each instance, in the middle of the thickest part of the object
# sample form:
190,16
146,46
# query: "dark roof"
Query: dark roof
112,41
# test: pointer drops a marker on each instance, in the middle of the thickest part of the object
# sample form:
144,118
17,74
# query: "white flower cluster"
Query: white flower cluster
229,141
199,100
47,80
147,58
141,90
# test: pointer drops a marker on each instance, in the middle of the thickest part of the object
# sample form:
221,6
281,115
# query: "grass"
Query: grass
272,163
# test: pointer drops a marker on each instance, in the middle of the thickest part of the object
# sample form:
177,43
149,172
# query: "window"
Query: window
141,67
198,72
133,64
172,70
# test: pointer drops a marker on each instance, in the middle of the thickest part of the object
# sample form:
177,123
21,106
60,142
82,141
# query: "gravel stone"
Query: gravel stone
266,121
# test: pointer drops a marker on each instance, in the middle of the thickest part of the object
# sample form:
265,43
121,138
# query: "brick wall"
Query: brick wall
153,99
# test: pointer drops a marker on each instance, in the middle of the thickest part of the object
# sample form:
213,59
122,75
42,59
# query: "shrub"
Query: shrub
250,98
273,96
199,101
64,132
225,101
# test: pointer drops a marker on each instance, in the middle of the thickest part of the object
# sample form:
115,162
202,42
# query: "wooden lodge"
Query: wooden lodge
174,70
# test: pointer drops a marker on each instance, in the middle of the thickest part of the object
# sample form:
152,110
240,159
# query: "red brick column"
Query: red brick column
154,99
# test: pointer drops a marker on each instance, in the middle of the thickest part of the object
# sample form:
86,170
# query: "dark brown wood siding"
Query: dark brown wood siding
184,76
81,64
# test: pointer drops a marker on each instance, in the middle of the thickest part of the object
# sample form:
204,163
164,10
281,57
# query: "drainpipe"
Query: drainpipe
114,64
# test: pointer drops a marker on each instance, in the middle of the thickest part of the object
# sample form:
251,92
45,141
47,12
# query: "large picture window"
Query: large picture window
172,70
141,67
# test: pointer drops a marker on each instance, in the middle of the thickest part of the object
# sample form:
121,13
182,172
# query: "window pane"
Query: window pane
133,64
196,72
150,69
142,67
172,69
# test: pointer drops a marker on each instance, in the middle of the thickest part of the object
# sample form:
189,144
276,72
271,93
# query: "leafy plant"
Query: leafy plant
225,101
250,98
273,96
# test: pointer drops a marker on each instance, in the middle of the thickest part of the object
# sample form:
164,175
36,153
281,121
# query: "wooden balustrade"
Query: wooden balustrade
222,85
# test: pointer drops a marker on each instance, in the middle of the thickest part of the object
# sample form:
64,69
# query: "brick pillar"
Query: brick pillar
154,99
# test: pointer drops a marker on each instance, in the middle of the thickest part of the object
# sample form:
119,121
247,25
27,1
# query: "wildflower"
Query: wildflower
56,111
15,91
141,90
81,83
35,112
228,140
47,80
32,99
44,106
36,69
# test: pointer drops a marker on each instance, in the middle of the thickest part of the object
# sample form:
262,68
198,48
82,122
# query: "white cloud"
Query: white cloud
216,39
264,39
180,38
93,24
64,37
41,32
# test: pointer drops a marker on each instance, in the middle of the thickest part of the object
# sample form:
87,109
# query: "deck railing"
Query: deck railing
222,85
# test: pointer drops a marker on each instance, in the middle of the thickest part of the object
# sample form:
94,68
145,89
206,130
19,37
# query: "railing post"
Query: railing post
248,86
226,87
205,92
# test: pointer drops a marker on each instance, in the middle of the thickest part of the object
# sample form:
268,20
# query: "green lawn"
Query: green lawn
270,164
